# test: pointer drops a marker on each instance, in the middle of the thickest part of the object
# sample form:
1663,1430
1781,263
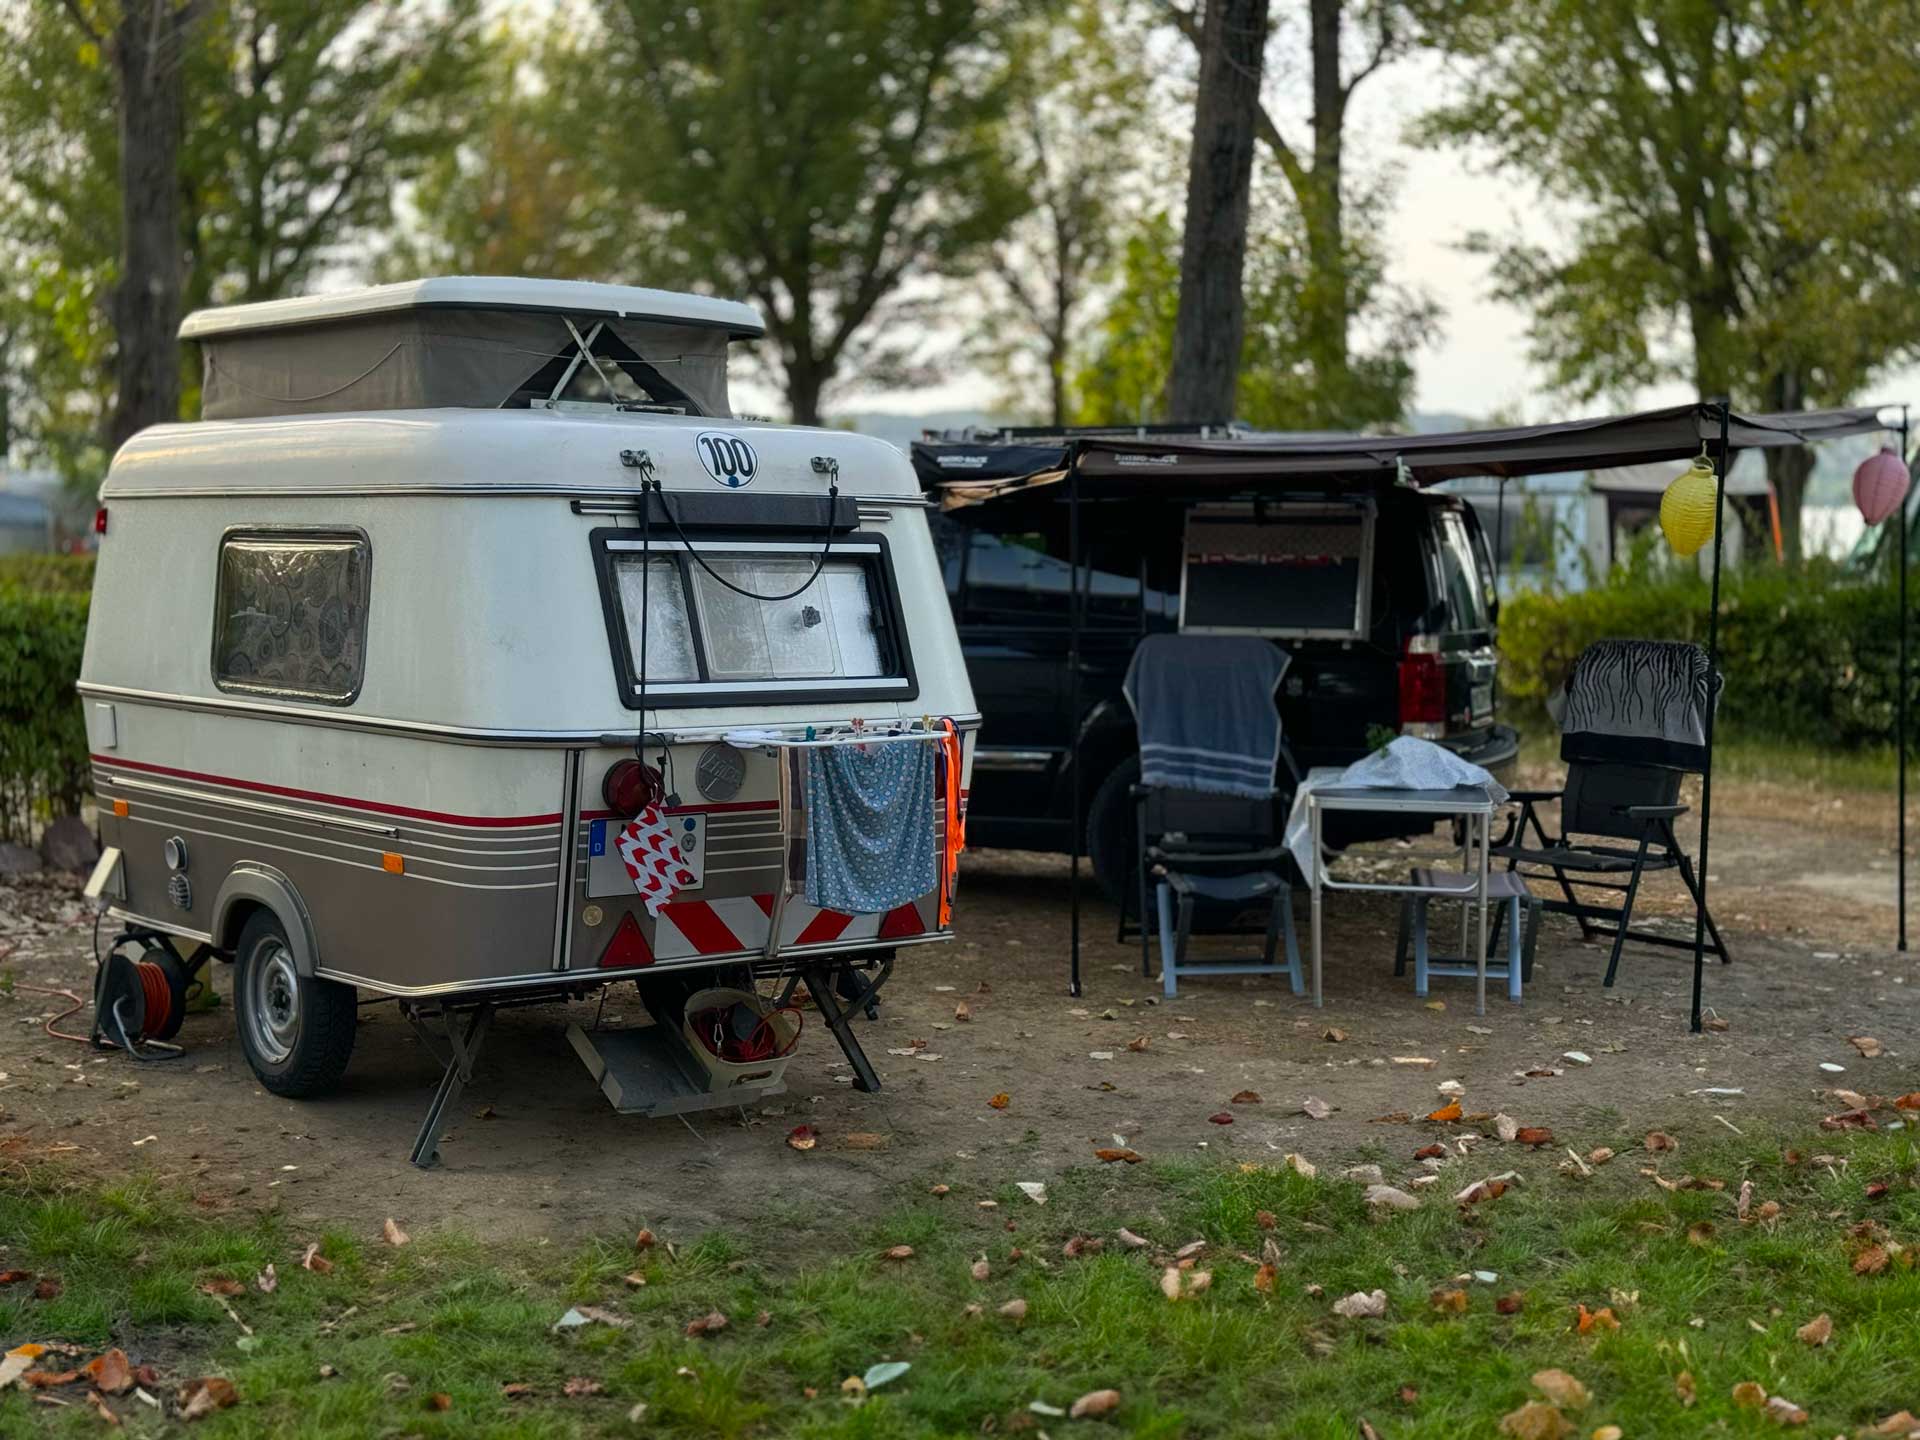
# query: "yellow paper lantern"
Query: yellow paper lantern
1686,510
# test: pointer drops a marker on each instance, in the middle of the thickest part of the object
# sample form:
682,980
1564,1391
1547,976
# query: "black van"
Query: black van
1385,599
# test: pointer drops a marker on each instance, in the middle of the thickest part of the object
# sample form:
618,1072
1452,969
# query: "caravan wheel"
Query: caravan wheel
297,1031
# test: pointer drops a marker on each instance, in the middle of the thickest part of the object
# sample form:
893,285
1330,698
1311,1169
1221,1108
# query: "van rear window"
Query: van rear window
731,621
290,615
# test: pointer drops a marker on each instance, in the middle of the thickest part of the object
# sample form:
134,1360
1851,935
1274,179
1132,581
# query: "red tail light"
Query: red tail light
100,521
1423,689
629,787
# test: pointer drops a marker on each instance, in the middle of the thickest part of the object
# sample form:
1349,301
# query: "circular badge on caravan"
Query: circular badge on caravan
729,459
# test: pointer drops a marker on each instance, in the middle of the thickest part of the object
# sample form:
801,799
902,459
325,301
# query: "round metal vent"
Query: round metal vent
720,773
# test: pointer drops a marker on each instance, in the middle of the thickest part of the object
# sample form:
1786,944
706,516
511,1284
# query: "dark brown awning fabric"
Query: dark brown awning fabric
1138,466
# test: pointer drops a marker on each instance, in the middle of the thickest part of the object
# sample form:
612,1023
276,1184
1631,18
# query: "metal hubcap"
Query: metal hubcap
273,1001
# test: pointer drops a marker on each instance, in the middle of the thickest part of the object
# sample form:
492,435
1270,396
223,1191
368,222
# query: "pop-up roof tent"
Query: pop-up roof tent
473,341
1106,465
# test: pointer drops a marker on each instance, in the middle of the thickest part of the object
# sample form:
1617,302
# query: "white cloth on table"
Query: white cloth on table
1407,763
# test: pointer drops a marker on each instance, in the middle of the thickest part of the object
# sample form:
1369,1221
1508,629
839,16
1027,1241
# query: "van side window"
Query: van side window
290,615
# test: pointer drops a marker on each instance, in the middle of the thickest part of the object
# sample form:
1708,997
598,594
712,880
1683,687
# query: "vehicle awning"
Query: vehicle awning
1112,466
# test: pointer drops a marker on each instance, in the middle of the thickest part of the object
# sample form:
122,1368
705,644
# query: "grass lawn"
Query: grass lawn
420,1339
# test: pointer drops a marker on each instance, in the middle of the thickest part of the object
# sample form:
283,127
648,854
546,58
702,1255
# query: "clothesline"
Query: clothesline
748,739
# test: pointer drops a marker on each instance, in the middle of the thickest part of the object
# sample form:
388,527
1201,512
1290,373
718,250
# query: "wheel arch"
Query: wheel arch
251,886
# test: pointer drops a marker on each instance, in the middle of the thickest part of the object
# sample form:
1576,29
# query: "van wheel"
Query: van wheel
1111,844
297,1031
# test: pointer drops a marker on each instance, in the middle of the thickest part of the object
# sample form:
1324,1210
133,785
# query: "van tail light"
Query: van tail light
1423,689
630,787
100,521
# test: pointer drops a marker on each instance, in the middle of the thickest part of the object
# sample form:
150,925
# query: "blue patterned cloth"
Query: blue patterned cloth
870,823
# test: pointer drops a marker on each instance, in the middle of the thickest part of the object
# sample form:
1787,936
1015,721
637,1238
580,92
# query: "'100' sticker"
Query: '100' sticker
729,459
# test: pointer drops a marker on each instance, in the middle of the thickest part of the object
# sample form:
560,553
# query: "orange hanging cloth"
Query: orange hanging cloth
956,824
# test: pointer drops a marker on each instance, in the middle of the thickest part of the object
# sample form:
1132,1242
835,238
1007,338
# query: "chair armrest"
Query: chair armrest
1650,812
1534,797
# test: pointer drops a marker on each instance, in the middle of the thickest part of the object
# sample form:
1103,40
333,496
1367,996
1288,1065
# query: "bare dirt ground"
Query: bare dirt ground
1803,888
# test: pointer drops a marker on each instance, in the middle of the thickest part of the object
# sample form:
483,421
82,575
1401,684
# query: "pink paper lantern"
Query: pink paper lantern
1879,485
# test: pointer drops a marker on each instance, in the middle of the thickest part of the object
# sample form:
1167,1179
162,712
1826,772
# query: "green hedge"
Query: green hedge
1809,656
43,739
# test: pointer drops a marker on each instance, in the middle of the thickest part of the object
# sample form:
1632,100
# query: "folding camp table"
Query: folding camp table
1473,804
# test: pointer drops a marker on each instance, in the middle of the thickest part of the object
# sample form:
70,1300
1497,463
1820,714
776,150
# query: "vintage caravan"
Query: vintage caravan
470,652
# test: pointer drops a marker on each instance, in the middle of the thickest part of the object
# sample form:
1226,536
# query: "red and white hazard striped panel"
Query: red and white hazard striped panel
730,926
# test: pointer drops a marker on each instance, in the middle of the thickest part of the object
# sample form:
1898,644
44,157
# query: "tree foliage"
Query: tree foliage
1733,179
820,160
303,120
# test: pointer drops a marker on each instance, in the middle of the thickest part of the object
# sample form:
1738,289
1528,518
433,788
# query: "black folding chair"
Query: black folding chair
1629,737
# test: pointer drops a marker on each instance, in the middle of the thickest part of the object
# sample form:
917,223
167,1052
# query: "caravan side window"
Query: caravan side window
732,621
290,615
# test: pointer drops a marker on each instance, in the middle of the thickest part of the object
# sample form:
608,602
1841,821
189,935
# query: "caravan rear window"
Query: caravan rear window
732,621
290,615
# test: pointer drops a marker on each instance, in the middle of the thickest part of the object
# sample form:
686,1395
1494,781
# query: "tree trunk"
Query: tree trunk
1326,301
1211,320
805,381
1789,467
148,53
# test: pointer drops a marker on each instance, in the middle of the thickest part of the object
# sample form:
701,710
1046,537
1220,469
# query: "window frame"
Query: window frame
611,543
330,534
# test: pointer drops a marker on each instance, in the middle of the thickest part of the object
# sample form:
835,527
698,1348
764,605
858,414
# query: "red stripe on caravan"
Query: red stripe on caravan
703,927
901,921
114,762
827,925
765,902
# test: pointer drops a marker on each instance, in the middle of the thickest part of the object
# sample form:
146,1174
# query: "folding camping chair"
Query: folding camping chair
1210,749
1632,727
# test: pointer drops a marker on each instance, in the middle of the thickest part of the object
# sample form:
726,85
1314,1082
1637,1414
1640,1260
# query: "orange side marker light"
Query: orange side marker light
120,809
393,863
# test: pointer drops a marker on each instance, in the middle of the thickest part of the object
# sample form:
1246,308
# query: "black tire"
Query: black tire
297,1031
1111,817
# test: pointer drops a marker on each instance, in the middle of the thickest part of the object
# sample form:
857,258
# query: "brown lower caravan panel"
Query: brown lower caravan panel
395,902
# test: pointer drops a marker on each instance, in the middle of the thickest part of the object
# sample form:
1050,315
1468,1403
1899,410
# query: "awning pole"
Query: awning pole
1900,726
1713,704
1073,707
1499,533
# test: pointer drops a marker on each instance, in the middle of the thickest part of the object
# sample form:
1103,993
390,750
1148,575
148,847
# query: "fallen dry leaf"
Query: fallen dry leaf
1868,1047
312,1259
439,1400
1908,1102
1082,1245
1222,1118
1448,1302
803,1137
897,1252
1609,1432
1362,1304
1784,1411
1246,1097
110,1372
1749,1395
1658,1140
1850,1120
49,1289
198,1398
707,1324
1333,1034
1871,1261
1107,1155
1562,1389
1000,1101
222,1287
1314,1108
963,1012
101,1409
941,1190
15,1277
48,1379
1131,1240
1447,1113
1094,1404
1684,1388
1816,1331
1430,1152
579,1385
863,1140
1902,1422
1300,1165
1138,1044
1535,1421
1700,1233
1511,1303
1505,1126
1599,1156
393,1234
981,1270
644,1240
1534,1135
1014,1310
267,1281
1263,1278
1587,1321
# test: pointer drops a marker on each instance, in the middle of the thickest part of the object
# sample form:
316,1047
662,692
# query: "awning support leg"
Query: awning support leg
820,985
